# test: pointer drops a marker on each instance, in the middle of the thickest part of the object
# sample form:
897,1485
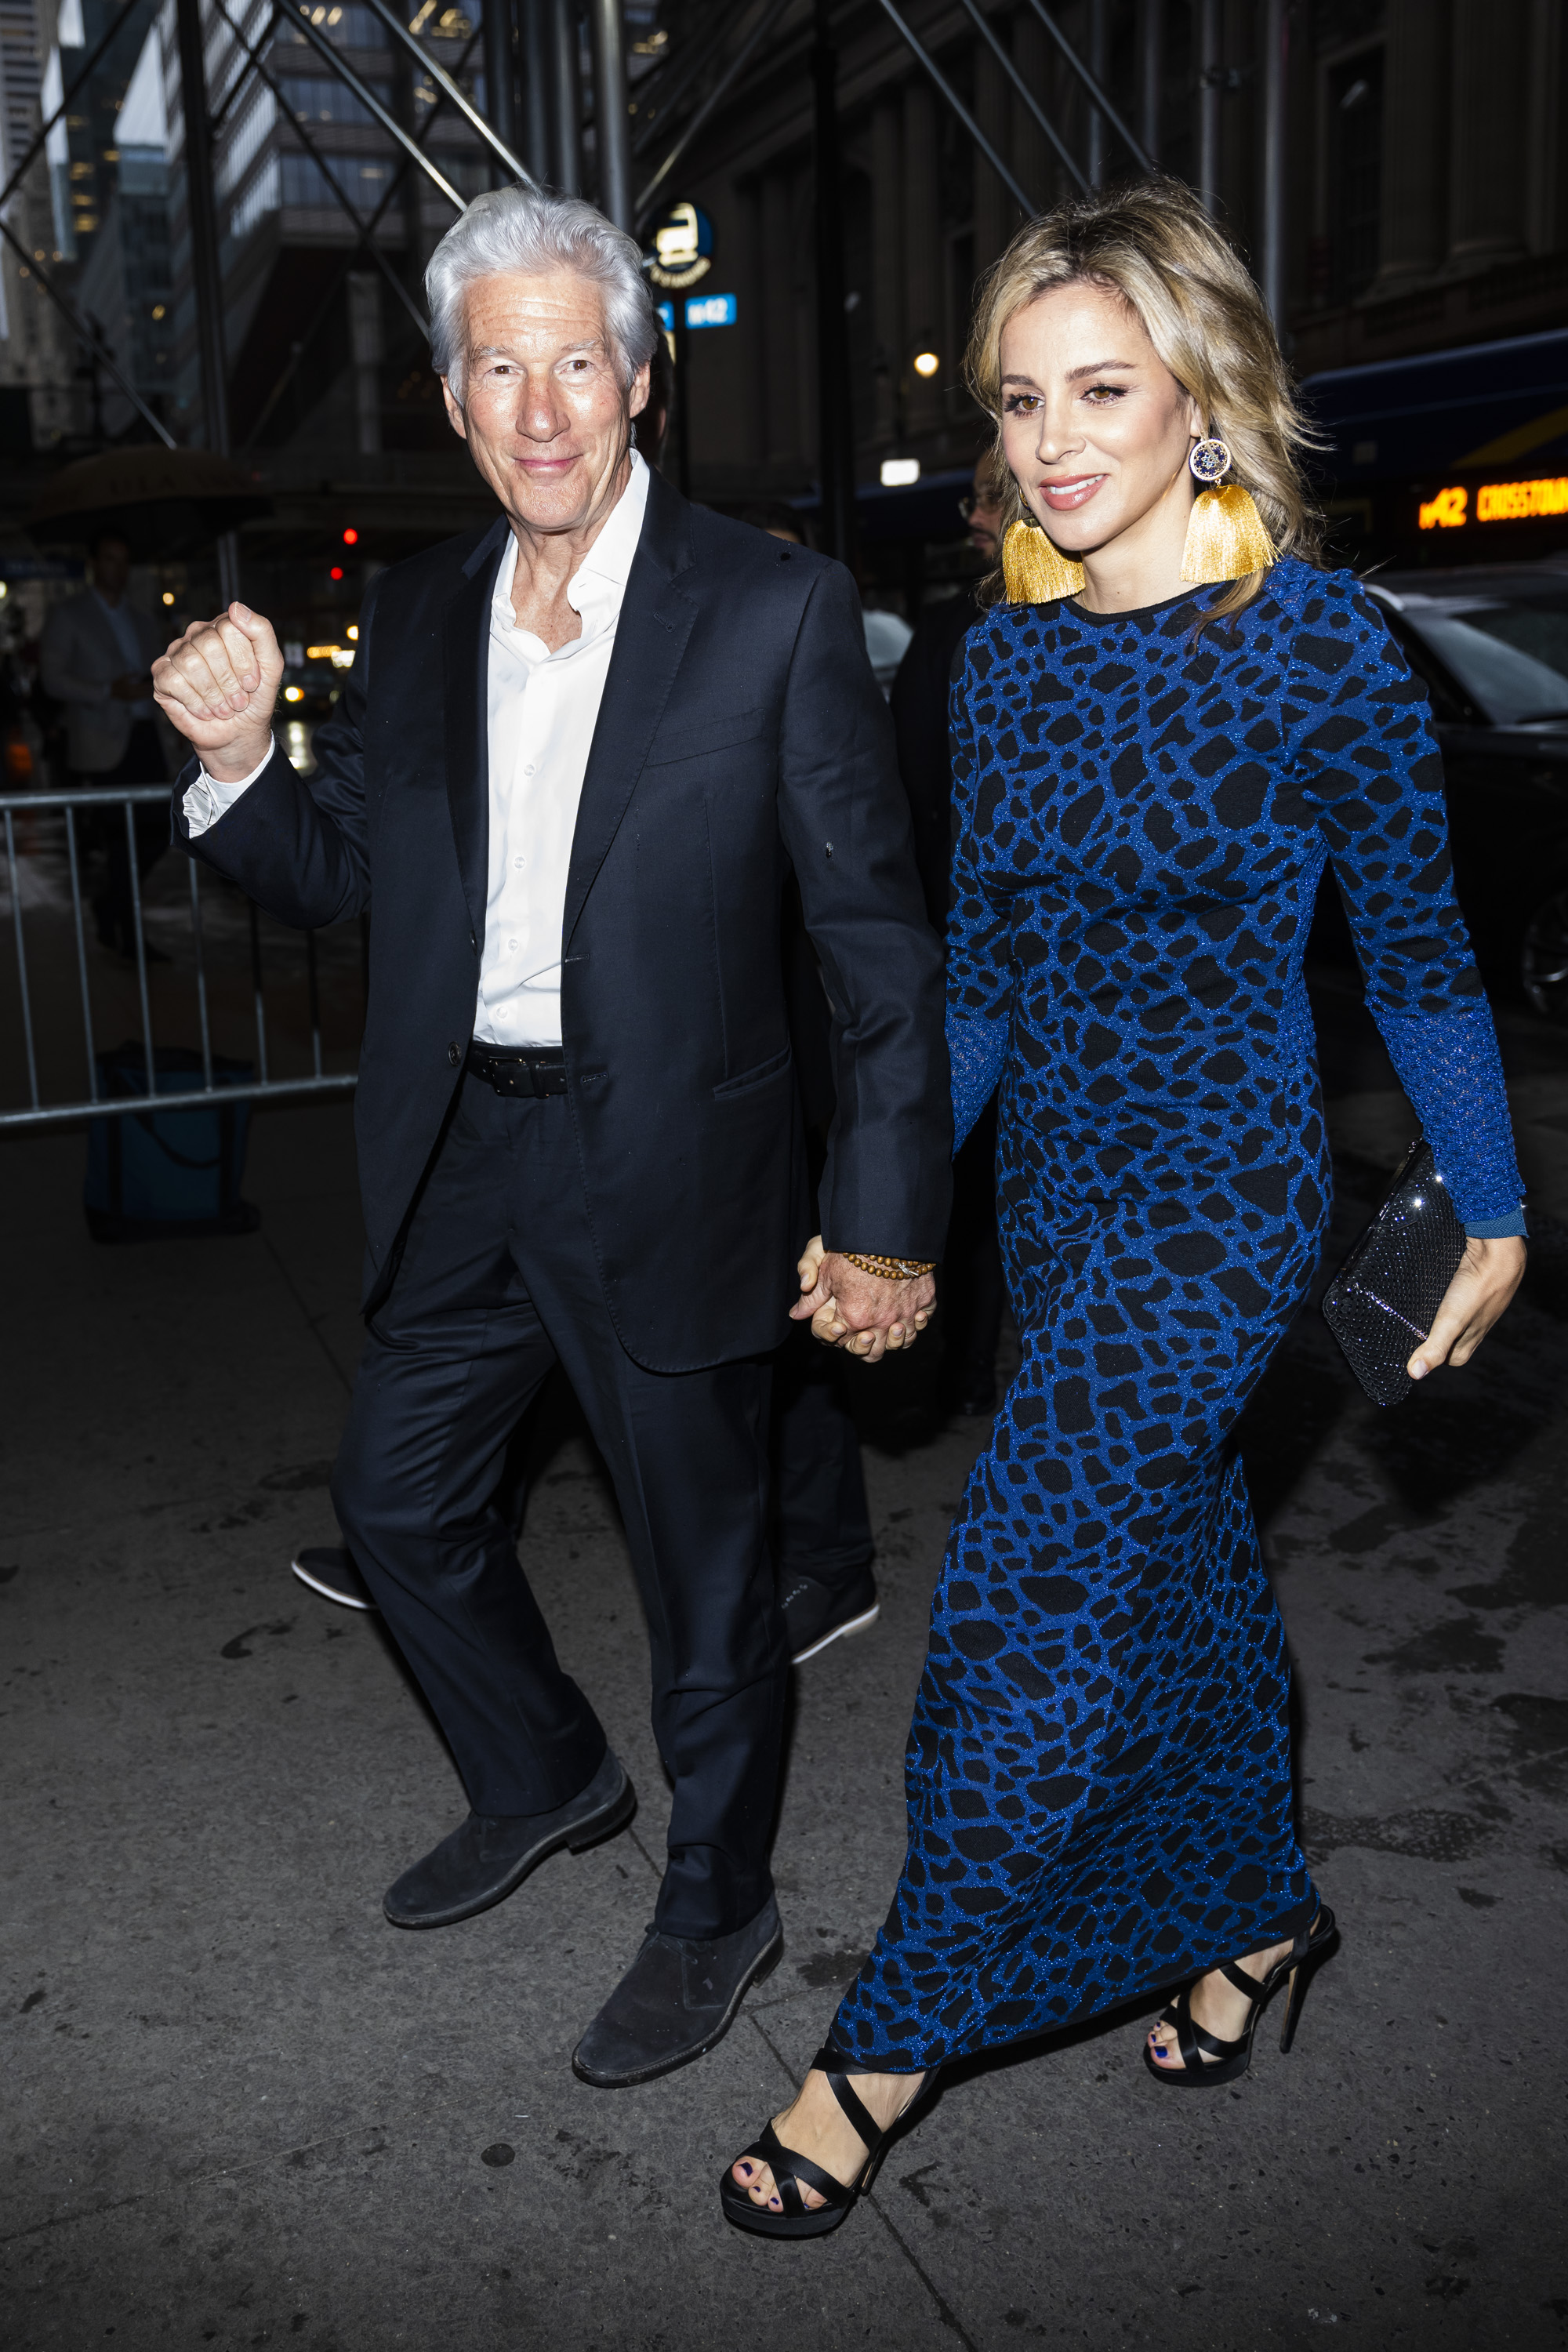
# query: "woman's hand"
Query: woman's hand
1487,1280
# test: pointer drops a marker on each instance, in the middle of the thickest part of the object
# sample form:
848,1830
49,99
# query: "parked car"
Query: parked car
1490,644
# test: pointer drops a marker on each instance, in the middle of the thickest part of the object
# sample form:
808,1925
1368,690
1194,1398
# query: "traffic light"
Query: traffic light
351,538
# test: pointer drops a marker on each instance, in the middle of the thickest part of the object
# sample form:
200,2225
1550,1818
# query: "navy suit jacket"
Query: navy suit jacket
740,734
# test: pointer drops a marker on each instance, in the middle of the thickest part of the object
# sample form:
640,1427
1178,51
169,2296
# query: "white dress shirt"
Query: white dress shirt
128,637
543,710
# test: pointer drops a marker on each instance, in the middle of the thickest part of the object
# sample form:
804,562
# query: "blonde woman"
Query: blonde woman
1171,723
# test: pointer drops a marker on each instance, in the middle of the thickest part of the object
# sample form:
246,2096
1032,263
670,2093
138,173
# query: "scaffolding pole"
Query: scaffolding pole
714,98
1092,83
500,76
612,121
534,44
1069,161
1276,64
566,98
929,66
206,272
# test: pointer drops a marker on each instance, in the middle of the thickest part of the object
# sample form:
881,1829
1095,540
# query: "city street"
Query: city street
244,2110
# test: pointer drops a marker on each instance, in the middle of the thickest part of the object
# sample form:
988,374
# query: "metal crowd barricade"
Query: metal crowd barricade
262,1088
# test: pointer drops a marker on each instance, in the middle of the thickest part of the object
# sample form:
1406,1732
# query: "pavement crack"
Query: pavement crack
312,1322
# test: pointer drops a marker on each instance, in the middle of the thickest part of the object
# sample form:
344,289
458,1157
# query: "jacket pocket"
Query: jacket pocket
758,1076
697,738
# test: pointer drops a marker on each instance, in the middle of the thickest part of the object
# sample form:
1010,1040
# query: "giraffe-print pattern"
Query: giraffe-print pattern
1098,1768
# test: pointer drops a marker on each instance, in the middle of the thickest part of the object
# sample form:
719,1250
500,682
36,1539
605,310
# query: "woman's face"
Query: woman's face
1094,424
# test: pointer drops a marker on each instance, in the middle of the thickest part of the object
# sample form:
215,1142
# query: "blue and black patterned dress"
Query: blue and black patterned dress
1099,1771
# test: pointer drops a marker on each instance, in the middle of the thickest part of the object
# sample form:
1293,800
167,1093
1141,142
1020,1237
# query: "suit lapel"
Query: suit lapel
655,623
466,652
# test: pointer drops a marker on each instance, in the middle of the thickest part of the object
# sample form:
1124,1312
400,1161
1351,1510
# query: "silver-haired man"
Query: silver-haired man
578,754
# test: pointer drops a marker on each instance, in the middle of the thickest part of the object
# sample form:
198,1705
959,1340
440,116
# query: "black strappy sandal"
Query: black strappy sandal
1207,2059
791,2172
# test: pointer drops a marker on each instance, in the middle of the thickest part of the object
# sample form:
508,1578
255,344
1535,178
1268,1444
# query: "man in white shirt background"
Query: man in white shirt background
578,755
96,659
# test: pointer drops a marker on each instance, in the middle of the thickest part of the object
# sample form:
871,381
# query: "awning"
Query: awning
1501,404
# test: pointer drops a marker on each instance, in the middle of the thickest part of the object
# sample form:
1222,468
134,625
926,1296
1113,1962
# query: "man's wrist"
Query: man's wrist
888,1269
238,764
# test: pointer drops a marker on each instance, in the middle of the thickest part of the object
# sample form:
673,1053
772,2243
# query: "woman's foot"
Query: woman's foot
814,2125
1217,2007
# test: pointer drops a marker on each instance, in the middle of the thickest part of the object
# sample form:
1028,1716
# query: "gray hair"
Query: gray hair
527,229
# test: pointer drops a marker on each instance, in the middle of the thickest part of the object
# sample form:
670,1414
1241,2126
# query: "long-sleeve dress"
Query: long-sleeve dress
1098,1772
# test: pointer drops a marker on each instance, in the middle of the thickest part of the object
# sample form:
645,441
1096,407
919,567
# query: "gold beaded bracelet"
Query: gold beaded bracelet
891,1269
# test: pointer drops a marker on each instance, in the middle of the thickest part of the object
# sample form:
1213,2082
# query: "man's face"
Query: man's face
110,567
984,518
545,411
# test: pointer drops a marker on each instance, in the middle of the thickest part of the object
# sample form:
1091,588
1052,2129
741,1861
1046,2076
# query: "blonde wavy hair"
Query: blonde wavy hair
1153,243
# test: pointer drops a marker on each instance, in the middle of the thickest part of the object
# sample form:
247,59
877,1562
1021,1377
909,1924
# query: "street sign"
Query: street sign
701,311
710,310
682,247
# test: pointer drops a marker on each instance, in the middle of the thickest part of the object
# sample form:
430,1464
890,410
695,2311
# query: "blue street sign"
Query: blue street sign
710,310
701,311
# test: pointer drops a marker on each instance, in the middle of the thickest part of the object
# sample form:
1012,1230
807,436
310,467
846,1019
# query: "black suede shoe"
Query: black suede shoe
482,1861
676,2000
329,1570
817,1613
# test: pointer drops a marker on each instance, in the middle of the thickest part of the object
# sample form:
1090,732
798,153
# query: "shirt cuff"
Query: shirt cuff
1497,1229
207,800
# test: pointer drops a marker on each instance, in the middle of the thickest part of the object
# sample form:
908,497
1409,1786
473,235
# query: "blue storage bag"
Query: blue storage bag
156,1173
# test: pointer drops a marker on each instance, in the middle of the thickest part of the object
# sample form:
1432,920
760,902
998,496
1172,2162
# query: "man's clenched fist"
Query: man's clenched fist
218,685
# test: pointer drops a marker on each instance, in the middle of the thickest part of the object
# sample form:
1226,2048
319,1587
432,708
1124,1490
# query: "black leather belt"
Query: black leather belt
519,1070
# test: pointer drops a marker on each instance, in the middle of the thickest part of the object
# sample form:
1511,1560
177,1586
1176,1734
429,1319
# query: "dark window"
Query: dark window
1355,171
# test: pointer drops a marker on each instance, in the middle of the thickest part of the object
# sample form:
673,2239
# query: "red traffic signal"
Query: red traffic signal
337,571
351,539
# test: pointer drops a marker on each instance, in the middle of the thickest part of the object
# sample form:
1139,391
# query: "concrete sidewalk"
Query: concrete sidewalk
243,2110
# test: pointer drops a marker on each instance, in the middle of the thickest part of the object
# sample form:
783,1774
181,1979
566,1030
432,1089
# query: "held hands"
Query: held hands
1488,1277
857,1311
218,685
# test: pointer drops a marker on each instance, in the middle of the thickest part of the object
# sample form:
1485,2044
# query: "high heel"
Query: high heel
792,2171
1206,2058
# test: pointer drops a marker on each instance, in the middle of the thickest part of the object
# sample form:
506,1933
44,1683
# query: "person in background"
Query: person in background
97,659
975,1291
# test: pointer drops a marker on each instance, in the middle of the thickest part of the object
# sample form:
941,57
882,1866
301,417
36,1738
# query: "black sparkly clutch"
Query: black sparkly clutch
1381,1303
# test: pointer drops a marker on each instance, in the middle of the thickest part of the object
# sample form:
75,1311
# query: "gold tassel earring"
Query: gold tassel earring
1034,570
1226,537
